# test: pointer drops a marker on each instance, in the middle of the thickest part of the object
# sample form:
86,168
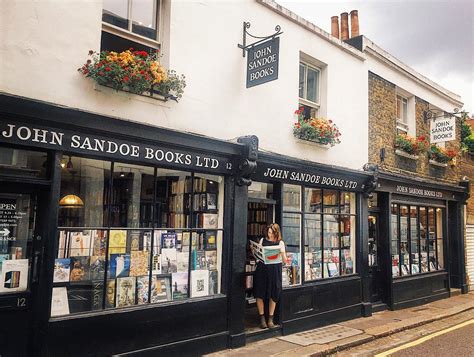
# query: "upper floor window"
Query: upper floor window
402,113
309,89
130,23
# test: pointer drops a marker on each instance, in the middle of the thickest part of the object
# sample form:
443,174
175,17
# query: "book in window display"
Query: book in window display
211,201
210,240
80,244
80,269
179,283
139,261
97,267
156,264
118,242
97,294
119,265
62,270
186,238
209,221
395,270
213,282
99,242
62,245
211,259
333,270
160,289
125,292
59,302
14,275
199,260
169,261
133,241
142,289
182,261
404,270
168,240
199,283
110,294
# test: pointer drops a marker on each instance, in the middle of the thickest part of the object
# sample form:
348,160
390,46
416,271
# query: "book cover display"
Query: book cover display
213,282
168,240
62,269
119,265
125,292
59,302
139,261
142,289
110,294
160,289
79,243
179,285
199,283
118,242
169,261
97,267
80,269
99,242
14,275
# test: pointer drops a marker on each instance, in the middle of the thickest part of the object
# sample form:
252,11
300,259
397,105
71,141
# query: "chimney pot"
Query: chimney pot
344,26
335,26
354,23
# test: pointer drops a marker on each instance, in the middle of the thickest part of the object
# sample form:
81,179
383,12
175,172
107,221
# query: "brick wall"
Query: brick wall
382,133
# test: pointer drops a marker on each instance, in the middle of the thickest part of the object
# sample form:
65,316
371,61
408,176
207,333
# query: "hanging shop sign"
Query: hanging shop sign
263,56
443,129
316,177
262,62
116,149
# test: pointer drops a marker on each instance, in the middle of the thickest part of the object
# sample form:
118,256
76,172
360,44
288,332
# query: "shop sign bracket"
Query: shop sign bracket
261,39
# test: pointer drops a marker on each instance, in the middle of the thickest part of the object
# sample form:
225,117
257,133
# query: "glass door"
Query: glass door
20,259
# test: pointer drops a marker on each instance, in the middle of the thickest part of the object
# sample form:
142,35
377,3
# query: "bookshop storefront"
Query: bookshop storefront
419,253
321,210
112,242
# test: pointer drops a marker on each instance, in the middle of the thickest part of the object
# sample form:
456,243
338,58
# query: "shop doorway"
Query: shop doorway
23,221
375,261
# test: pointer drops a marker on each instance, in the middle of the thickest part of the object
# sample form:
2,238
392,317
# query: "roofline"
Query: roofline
284,12
372,49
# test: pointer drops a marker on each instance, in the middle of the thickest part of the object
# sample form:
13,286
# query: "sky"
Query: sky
434,37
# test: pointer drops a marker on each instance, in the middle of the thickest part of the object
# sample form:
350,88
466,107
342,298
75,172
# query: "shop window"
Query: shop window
309,89
130,24
17,162
417,239
156,238
328,224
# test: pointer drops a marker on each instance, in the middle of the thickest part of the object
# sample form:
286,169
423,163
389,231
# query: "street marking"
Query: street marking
424,339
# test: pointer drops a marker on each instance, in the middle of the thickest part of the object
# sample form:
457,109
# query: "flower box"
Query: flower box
135,72
313,143
436,163
406,155
318,131
441,155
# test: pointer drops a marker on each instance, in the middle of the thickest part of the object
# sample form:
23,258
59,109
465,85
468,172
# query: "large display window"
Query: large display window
132,235
417,237
322,223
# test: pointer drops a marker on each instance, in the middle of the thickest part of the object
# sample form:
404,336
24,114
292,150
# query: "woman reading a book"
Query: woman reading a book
268,277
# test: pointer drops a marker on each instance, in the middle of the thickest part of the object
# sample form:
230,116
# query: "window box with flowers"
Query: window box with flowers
136,72
439,156
410,147
316,130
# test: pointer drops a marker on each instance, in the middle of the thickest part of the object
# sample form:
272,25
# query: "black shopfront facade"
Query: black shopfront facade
417,255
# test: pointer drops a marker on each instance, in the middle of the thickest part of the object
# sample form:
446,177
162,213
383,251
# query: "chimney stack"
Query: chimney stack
354,23
335,26
344,26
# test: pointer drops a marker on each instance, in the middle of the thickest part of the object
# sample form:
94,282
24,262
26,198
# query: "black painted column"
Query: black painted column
363,260
237,258
456,244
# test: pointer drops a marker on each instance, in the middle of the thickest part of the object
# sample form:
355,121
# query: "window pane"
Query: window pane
115,12
313,267
17,217
405,258
312,83
440,236
395,238
399,108
404,110
207,201
84,193
301,80
132,196
330,201
348,244
348,202
415,256
291,234
373,259
423,240
312,200
23,162
291,197
144,15
331,246
432,239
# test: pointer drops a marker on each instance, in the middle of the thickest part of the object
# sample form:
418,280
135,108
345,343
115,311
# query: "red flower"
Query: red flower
142,72
101,73
126,79
107,69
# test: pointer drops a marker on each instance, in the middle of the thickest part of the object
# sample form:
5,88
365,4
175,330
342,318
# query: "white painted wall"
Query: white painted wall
42,44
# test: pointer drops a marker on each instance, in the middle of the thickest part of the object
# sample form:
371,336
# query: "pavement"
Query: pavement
377,326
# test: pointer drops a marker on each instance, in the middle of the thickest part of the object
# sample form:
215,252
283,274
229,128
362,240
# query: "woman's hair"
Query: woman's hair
276,231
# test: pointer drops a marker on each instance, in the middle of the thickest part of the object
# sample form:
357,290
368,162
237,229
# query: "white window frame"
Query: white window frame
131,36
402,123
304,101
